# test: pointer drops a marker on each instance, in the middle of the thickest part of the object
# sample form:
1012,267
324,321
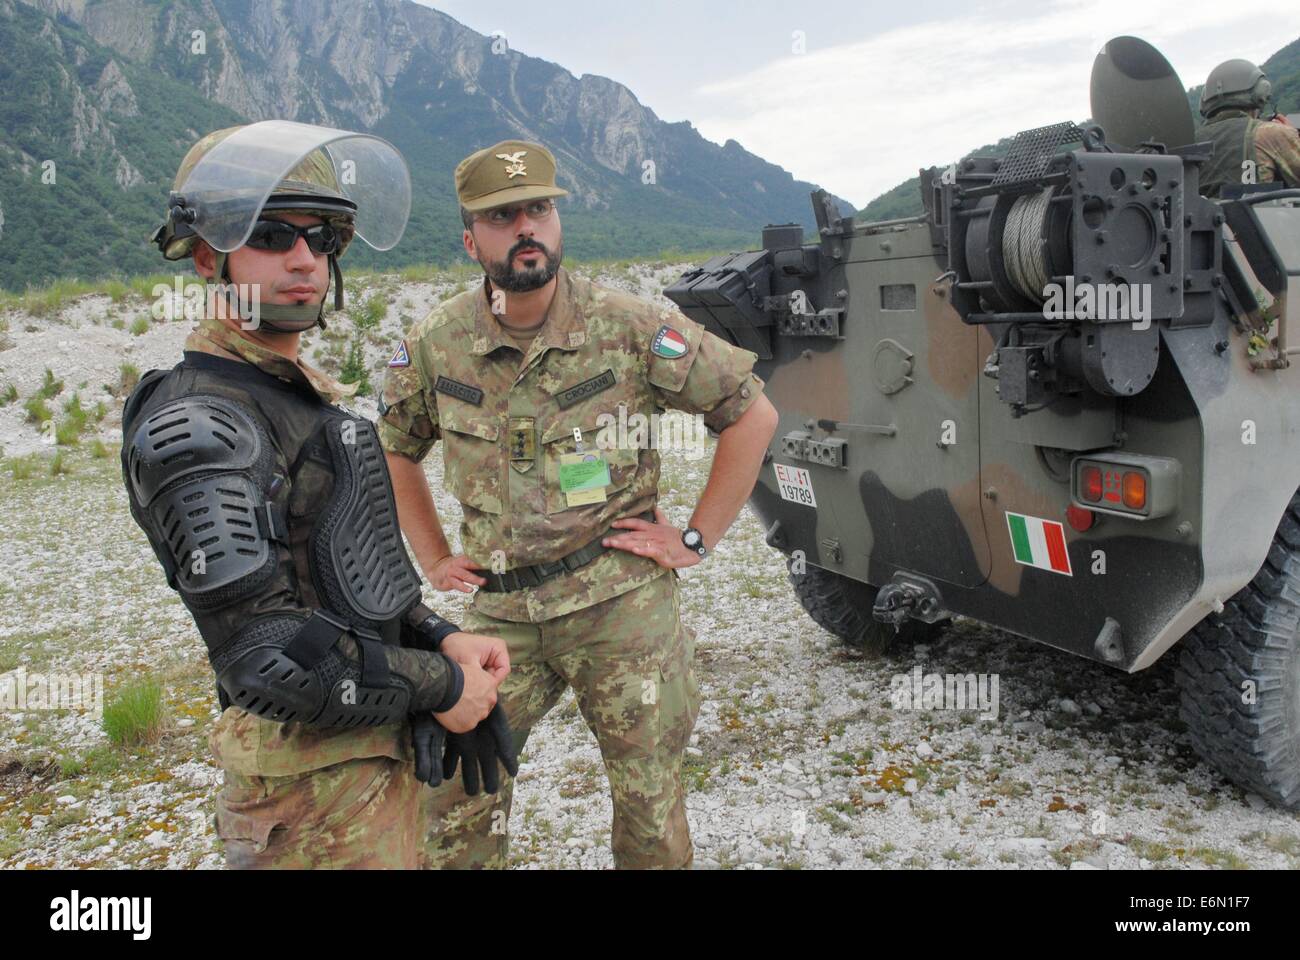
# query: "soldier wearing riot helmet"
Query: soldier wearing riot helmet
272,515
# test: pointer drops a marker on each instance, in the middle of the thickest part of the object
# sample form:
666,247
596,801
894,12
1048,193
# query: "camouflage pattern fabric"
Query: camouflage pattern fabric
1278,149
630,661
211,336
360,814
458,377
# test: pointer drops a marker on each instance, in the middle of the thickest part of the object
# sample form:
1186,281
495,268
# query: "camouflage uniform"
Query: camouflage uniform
299,796
1272,148
611,629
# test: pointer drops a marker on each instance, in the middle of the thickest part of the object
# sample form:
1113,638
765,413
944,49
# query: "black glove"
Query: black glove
480,749
429,738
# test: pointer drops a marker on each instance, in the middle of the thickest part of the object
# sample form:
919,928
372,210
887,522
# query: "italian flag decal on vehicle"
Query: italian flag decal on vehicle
668,343
1039,543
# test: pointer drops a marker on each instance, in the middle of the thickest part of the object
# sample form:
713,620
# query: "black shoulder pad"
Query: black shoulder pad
192,435
200,469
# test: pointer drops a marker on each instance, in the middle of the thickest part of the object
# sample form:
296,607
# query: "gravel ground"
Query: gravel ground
799,759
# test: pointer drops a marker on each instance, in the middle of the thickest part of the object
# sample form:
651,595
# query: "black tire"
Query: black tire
842,606
1255,639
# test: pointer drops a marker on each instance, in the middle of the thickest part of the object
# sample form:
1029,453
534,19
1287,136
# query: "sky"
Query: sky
857,96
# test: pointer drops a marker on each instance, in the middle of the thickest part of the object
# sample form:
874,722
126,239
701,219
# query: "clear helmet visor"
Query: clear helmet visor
228,187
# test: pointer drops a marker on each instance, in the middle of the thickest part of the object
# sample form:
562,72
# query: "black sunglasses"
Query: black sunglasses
280,236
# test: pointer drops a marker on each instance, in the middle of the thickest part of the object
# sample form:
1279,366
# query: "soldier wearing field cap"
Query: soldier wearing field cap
573,560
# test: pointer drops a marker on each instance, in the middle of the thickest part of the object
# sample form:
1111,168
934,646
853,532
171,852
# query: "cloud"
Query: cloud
863,116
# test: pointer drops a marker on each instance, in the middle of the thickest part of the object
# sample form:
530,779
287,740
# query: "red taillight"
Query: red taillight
1079,518
1090,484
1135,490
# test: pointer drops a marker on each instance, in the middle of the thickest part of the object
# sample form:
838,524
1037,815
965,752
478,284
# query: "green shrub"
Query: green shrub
49,388
37,410
135,713
24,468
354,370
128,377
140,325
8,395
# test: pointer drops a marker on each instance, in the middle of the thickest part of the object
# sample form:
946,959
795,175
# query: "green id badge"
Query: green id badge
583,478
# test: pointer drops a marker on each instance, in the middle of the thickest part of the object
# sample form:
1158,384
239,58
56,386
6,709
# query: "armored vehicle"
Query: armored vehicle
1060,402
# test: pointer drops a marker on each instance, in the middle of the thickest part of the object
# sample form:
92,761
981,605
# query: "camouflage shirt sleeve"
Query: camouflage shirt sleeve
1278,146
408,421
712,377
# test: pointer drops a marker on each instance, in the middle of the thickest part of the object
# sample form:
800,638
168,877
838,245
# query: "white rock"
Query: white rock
185,722
1069,707
1083,865
1092,708
1030,845
1257,802
911,786
795,793
923,749
1028,727
65,799
157,839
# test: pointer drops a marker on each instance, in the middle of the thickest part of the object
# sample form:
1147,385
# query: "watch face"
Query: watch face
692,538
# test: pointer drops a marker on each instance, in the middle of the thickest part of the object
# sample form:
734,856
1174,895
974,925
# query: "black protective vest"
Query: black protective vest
326,497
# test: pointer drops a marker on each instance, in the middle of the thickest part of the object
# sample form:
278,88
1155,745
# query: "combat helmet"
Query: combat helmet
357,183
1237,84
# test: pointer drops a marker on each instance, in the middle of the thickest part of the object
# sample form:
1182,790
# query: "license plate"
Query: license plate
794,485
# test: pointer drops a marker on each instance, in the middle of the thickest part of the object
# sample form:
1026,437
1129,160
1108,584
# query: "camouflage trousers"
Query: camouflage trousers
356,814
630,662
361,813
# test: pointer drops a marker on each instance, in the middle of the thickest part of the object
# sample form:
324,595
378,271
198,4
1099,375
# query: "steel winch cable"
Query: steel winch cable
1024,251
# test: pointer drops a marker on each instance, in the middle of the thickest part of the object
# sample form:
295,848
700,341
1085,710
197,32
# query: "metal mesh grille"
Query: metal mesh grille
1032,151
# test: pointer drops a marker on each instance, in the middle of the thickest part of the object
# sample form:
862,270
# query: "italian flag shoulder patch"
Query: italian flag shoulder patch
1039,543
669,343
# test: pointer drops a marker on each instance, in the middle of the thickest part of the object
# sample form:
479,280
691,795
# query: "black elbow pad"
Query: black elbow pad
268,671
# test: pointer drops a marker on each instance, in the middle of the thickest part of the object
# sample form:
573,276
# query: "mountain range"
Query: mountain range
102,98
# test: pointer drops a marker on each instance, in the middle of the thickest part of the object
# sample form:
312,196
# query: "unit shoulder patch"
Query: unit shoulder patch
402,357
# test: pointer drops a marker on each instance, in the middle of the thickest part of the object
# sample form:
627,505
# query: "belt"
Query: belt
538,573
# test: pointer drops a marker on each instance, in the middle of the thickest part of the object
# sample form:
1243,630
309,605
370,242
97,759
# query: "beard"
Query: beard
505,276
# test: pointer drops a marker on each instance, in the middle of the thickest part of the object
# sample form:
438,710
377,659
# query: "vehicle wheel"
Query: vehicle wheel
1253,644
842,606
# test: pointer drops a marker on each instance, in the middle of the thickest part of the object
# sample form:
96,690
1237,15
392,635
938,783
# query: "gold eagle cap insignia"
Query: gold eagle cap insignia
514,164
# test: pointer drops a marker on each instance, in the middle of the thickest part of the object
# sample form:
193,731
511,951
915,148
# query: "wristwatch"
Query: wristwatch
694,540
